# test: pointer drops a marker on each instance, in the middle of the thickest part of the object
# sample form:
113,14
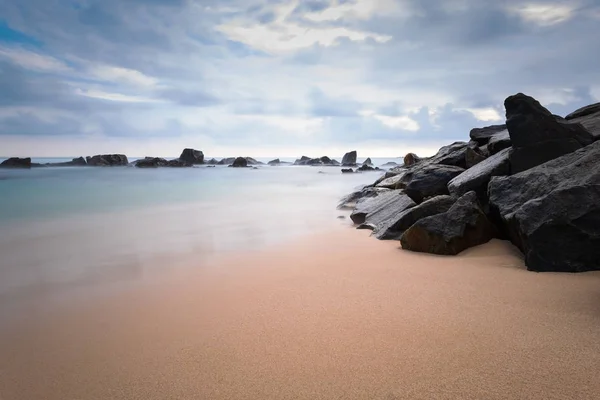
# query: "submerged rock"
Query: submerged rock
366,167
463,226
192,156
16,162
378,211
349,159
107,160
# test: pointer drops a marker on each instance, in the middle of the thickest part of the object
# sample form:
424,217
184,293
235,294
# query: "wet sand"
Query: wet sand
335,316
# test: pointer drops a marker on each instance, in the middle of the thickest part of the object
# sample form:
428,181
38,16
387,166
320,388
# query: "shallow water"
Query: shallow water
64,227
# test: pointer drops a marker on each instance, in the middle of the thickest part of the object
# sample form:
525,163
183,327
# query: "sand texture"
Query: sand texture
335,316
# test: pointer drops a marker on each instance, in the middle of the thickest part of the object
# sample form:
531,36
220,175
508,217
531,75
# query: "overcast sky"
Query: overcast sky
282,78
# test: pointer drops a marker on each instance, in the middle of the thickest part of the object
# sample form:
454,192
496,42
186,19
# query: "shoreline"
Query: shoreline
332,315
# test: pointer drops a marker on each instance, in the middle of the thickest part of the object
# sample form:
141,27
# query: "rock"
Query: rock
483,135
499,142
335,163
552,212
464,225
537,136
341,217
392,180
347,170
252,161
366,226
211,166
411,159
239,162
429,180
584,111
177,163
151,162
367,162
349,202
473,157
16,162
212,161
390,164
192,156
349,159
378,211
76,162
274,162
107,160
477,178
396,226
366,167
226,161
453,154
302,160
589,117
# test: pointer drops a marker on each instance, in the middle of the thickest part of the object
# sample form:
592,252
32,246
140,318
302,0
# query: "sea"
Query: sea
63,228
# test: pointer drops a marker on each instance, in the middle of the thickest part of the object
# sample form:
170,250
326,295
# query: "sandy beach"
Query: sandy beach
338,315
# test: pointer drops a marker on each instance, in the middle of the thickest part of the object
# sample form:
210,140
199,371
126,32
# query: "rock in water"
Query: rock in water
552,212
16,162
347,170
151,162
537,136
366,167
411,159
349,159
367,162
477,178
397,225
226,161
107,160
212,161
274,162
239,162
483,135
589,117
349,202
430,180
464,225
192,156
378,211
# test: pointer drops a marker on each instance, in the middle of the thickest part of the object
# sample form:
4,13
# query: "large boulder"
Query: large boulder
367,161
151,162
192,156
16,162
473,156
589,117
499,142
349,159
552,212
537,136
107,160
397,225
411,159
239,162
253,161
429,180
349,202
477,178
453,154
464,225
483,135
380,210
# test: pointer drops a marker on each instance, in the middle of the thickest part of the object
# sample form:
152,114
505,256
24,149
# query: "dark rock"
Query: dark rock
537,136
552,212
16,162
107,160
453,154
349,159
335,163
429,180
226,161
396,226
589,117
347,170
252,161
483,135
367,162
349,202
411,159
76,162
302,160
390,164
239,162
366,167
499,142
211,166
378,211
151,162
212,161
366,226
274,162
192,156
584,111
464,225
177,163
477,178
393,179
473,157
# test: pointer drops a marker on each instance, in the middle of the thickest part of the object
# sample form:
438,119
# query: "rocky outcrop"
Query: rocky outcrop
366,167
226,161
253,161
212,161
16,162
274,162
107,160
390,164
411,159
367,161
192,156
453,154
396,226
588,117
552,212
349,159
76,162
321,161
463,226
155,162
428,181
378,211
483,135
239,162
477,178
349,202
537,136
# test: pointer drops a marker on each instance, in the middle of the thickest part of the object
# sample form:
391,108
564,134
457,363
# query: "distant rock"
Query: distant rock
192,156
16,162
379,210
552,212
155,162
274,162
429,181
396,226
76,162
366,167
390,164
411,159
536,134
253,161
483,135
347,170
212,161
321,161
107,160
239,162
367,161
463,226
226,161
349,159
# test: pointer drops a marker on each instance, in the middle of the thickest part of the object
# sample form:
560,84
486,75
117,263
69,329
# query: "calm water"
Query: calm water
64,227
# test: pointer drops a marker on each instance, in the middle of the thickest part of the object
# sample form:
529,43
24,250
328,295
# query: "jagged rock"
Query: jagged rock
473,157
464,225
274,162
16,162
366,167
411,159
367,162
347,170
589,117
192,156
107,160
396,226
452,154
499,142
429,180
477,178
349,159
349,202
552,212
483,135
537,136
379,210
226,161
239,162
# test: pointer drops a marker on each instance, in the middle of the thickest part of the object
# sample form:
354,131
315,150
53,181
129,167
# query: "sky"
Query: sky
282,78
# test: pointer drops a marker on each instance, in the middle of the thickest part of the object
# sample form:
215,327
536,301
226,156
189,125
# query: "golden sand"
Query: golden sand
336,316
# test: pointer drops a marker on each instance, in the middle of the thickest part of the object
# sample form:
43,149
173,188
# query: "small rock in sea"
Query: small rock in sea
341,217
347,171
